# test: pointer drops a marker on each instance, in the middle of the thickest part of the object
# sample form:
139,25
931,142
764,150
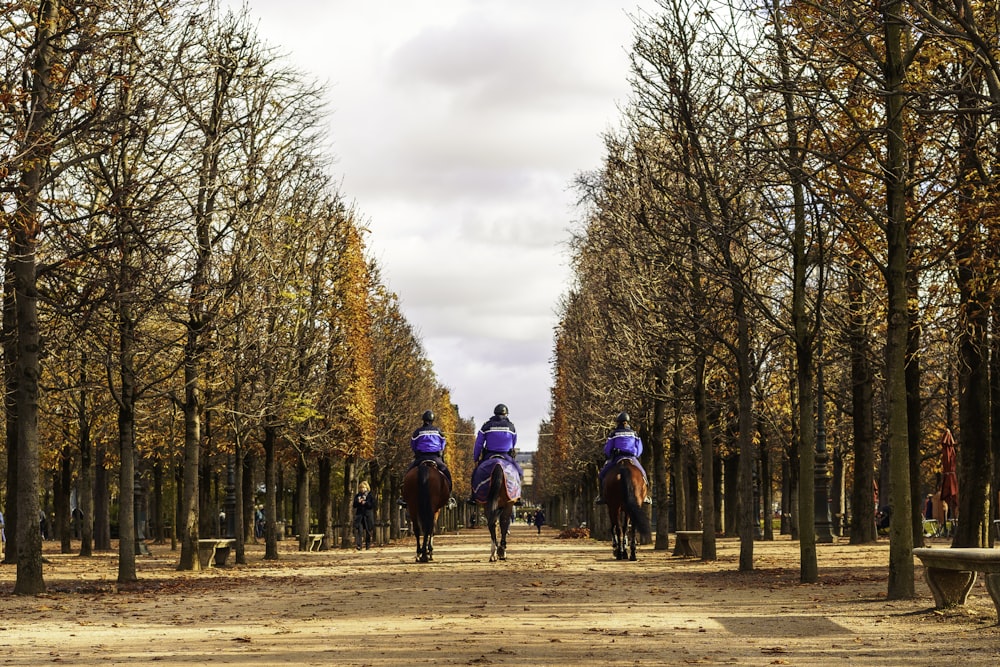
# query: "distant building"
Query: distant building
527,462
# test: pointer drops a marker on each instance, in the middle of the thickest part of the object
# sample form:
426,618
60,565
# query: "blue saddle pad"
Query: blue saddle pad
482,473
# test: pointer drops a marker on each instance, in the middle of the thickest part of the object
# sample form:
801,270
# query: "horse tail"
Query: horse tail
425,511
635,510
497,482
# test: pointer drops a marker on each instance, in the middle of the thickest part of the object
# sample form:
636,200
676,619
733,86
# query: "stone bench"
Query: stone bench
950,574
214,552
314,542
688,543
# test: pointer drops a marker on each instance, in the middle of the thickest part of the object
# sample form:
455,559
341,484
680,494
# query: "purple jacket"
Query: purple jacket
625,441
496,436
427,440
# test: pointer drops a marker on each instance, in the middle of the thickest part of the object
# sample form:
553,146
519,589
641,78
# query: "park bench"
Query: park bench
314,542
213,552
950,574
688,543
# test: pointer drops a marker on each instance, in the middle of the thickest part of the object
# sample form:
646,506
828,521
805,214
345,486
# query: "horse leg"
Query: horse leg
504,529
493,537
631,541
429,547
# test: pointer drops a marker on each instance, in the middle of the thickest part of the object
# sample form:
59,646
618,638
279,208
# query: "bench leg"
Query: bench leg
221,554
949,587
993,586
684,548
205,555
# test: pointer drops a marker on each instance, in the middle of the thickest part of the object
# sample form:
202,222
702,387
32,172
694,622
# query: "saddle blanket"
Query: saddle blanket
481,478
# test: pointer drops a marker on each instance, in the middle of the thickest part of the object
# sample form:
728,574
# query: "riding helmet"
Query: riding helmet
622,418
500,410
428,417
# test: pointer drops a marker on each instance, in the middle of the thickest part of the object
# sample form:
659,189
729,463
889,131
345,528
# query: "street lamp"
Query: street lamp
821,488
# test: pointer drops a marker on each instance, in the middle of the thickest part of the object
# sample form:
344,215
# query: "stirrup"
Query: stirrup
647,501
401,502
598,500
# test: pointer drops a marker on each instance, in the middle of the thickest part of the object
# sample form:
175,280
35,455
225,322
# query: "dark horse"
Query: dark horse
426,491
499,507
624,491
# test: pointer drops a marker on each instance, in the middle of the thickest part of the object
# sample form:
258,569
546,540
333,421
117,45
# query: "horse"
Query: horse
624,492
425,491
499,509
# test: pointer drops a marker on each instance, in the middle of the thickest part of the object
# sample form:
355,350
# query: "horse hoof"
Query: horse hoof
632,557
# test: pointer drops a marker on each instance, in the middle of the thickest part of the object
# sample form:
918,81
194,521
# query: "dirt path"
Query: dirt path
554,602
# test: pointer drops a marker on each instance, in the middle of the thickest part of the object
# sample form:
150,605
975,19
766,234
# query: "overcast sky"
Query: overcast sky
457,127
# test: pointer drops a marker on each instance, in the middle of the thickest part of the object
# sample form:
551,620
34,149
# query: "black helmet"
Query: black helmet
500,410
622,418
428,417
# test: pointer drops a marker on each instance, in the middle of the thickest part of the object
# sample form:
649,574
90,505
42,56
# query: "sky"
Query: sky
457,128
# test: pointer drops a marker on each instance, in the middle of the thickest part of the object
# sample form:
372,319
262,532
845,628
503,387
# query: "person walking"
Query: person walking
539,519
364,516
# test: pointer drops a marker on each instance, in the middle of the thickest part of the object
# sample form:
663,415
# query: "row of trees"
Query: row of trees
794,241
186,292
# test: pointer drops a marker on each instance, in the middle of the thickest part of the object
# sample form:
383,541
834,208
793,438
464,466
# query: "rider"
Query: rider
623,441
496,438
428,443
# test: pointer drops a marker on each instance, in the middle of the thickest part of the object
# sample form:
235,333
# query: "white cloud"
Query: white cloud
458,127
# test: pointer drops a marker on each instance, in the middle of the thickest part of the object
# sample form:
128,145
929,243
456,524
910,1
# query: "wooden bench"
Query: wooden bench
214,552
950,574
688,543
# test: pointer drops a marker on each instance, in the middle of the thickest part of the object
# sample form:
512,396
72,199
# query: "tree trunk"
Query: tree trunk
189,492
659,460
746,512
64,486
271,493
10,410
995,407
249,496
707,442
345,510
900,583
102,502
302,493
913,429
803,333
863,508
85,488
126,438
238,522
325,509
678,458
974,464
156,509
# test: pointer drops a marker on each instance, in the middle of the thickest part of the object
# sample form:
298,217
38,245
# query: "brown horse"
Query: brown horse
426,491
499,508
624,492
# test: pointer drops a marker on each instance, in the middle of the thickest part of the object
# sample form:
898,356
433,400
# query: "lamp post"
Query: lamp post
229,502
822,484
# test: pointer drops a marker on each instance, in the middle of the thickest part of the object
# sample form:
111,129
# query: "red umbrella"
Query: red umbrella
949,481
